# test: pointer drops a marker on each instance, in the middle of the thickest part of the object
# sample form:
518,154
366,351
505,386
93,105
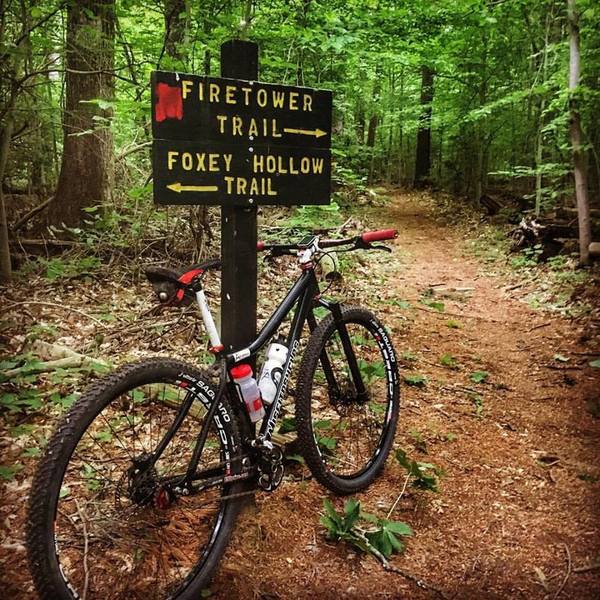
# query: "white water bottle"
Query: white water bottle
272,370
248,391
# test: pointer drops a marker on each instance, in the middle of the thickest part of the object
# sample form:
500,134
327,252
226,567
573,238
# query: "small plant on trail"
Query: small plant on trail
479,376
452,324
447,360
416,380
478,404
380,538
425,475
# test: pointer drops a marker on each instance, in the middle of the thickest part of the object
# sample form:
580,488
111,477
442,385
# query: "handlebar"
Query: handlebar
362,241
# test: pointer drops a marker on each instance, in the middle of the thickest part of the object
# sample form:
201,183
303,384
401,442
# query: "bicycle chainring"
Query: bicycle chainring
270,468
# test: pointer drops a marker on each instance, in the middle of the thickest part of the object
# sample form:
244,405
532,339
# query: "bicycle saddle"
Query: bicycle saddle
172,285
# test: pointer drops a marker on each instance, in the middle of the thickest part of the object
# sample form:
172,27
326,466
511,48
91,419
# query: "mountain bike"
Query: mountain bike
139,488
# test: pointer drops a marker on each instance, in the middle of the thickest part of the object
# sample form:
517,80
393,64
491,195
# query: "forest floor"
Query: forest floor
518,510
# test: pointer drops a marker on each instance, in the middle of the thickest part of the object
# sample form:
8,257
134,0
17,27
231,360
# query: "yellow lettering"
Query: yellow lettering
307,106
227,160
200,166
242,184
317,165
186,86
305,165
278,99
270,191
236,126
271,164
214,92
230,94
213,163
253,186
229,181
246,91
274,131
293,171
187,162
222,120
259,163
253,129
294,100
171,159
201,91
280,168
261,97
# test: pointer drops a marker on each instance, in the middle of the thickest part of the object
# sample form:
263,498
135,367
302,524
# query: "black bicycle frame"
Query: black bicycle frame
304,296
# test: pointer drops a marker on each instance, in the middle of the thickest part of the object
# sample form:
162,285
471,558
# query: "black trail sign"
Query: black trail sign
235,142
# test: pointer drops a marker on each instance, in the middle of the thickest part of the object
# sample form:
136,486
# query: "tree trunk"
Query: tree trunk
176,31
372,131
423,153
579,164
86,171
5,262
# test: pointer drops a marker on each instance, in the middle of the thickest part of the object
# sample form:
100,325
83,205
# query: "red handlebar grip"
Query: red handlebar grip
382,234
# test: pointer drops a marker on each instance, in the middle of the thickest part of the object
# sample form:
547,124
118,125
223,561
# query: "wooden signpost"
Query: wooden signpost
236,142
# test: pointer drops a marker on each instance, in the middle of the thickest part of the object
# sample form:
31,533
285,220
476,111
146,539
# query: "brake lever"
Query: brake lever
380,247
368,246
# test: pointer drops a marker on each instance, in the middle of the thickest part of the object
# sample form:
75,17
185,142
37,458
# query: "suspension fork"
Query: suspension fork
334,388
336,311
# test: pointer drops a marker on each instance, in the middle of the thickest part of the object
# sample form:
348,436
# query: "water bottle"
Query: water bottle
248,391
272,370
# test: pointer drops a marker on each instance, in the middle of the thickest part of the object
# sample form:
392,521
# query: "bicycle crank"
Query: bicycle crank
270,468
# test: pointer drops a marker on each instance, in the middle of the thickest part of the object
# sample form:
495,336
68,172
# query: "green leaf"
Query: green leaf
323,424
479,376
8,472
448,361
296,457
398,527
595,363
416,380
452,324
561,358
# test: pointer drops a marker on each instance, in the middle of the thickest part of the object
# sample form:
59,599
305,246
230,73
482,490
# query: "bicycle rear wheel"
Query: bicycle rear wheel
101,524
348,400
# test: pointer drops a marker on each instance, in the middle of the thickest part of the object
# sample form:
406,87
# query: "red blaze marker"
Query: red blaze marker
169,103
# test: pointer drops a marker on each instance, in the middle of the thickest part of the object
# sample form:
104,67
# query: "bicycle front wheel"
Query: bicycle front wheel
347,400
104,523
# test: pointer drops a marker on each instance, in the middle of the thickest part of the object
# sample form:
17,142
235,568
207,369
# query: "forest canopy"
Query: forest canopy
469,96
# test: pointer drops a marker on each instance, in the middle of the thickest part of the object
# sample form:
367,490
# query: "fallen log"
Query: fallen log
54,356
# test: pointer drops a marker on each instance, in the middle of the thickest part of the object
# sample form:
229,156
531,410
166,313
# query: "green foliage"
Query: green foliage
8,472
314,218
424,476
435,304
479,376
416,380
447,360
381,537
478,404
595,363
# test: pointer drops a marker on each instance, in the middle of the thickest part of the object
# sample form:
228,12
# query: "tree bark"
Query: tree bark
423,153
176,31
86,170
579,163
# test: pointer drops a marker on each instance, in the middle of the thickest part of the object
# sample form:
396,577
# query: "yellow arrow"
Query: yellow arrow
316,132
177,187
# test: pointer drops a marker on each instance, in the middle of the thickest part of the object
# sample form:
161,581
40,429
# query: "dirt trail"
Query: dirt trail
518,511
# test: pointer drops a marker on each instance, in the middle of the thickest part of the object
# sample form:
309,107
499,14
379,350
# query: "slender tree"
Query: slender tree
579,163
86,170
423,157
